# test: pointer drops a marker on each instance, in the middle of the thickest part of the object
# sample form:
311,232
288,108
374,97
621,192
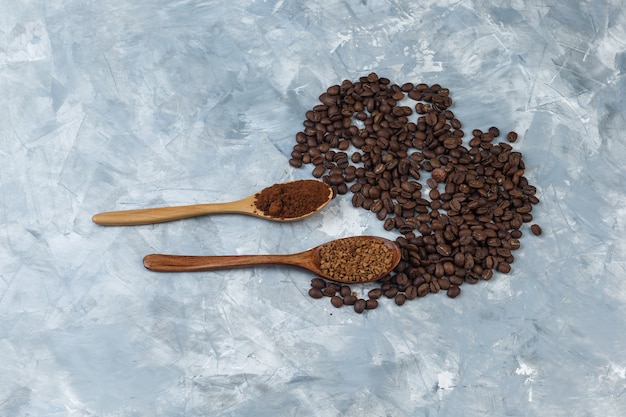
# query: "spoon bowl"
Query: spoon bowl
383,253
246,206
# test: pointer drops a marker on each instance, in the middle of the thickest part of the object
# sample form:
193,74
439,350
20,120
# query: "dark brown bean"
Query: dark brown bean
375,293
411,292
371,304
487,274
444,249
345,291
511,137
315,293
319,171
400,299
336,301
444,284
391,292
318,283
359,305
423,289
504,267
349,300
453,291
329,291
536,229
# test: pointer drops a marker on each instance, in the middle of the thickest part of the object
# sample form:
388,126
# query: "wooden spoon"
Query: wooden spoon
165,214
310,259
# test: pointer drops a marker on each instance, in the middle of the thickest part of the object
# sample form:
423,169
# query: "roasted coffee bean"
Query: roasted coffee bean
296,163
375,293
349,300
371,304
389,224
400,299
511,137
315,293
376,206
453,291
444,249
318,283
402,279
359,305
432,183
345,291
391,292
536,229
336,301
439,175
357,200
487,274
335,179
514,244
423,289
329,291
444,284
470,278
411,292
456,279
319,171
495,132
479,235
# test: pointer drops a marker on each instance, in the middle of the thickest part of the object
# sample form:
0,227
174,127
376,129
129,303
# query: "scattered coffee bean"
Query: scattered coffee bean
536,229
315,293
349,300
423,289
336,301
453,291
511,137
359,305
375,293
345,290
329,291
318,283
400,299
391,292
411,292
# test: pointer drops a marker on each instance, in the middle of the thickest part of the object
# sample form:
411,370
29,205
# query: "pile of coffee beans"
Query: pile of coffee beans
457,205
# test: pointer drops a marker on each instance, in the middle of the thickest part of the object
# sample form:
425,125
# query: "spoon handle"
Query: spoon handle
183,263
166,214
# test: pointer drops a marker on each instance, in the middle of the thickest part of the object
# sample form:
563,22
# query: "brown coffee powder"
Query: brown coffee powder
292,199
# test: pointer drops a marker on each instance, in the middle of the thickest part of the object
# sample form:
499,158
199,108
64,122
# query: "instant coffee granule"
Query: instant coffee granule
291,199
355,260
457,204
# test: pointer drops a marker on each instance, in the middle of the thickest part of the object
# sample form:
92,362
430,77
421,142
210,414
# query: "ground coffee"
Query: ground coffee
292,199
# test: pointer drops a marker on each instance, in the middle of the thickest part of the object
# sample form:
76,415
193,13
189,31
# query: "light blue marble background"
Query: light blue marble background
122,104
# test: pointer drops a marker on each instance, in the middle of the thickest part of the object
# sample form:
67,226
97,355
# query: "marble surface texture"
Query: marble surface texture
120,104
